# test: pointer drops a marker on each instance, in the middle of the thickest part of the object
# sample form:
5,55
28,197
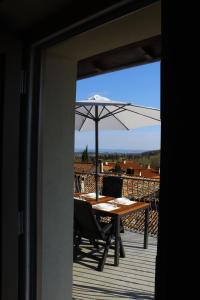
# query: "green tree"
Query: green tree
117,168
84,157
155,161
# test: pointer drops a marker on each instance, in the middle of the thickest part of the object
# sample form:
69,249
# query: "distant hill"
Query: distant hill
104,150
146,158
151,152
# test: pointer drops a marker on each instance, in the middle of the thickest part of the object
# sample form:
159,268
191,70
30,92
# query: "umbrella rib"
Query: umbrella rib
134,105
82,124
117,119
83,115
86,116
89,112
118,110
126,109
101,112
135,112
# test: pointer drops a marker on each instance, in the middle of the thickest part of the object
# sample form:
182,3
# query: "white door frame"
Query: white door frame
133,27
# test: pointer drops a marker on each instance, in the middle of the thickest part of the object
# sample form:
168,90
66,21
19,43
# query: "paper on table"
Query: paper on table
123,201
104,206
92,195
77,198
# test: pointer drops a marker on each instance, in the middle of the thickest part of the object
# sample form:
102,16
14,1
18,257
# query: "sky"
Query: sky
139,85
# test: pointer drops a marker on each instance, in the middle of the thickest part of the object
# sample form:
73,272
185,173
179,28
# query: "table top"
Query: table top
120,210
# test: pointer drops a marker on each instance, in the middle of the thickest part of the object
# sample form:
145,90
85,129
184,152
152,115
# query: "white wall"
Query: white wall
55,248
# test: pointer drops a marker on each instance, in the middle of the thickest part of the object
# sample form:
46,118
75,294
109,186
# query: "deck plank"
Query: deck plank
134,278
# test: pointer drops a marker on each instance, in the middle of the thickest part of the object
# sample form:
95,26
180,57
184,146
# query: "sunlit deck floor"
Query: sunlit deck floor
133,279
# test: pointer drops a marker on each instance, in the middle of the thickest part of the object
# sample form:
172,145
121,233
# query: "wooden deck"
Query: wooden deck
132,279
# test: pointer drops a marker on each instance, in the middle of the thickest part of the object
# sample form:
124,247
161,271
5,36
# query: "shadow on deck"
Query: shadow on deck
132,279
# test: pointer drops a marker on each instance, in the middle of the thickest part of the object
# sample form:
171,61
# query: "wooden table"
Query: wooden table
117,214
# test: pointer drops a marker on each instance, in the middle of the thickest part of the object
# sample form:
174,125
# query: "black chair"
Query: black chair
112,186
87,226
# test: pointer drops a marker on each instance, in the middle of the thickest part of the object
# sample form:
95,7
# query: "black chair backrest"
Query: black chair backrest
112,186
85,220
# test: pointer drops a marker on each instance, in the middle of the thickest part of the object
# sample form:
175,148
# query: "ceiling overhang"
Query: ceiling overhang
146,51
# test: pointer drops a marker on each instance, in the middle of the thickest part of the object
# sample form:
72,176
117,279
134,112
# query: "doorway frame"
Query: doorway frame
33,136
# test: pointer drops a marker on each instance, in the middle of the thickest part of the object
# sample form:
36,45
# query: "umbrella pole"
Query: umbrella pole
96,152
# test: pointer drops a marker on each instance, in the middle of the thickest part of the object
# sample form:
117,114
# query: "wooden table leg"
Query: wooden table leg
117,240
146,225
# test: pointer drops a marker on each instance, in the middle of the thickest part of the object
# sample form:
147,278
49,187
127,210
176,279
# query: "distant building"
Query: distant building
129,168
150,173
132,168
84,167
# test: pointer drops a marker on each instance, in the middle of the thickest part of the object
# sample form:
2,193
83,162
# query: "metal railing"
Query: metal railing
134,188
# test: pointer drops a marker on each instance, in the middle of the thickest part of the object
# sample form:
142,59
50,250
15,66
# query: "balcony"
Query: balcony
134,278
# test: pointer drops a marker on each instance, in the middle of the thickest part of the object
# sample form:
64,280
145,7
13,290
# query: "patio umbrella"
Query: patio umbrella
102,113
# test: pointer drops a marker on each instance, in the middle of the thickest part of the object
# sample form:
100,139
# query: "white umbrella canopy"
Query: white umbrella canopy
113,115
102,113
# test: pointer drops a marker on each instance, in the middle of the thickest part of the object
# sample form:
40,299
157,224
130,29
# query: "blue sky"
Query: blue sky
139,85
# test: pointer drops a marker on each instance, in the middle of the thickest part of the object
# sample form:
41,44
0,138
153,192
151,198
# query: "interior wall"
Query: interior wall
57,149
